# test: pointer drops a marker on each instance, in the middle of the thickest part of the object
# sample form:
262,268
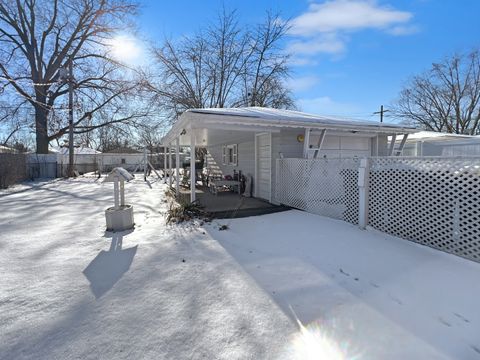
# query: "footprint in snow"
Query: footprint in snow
343,272
444,322
461,317
397,300
475,348
374,285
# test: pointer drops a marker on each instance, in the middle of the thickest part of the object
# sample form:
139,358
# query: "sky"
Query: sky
348,57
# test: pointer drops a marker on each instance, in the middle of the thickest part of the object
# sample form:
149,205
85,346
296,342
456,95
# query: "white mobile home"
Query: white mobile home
251,139
429,143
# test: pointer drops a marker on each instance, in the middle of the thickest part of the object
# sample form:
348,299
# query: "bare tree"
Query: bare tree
224,66
266,66
446,98
38,38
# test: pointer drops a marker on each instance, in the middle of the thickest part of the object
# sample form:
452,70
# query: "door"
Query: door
263,166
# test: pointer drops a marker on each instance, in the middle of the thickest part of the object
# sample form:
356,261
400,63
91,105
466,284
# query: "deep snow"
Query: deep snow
71,291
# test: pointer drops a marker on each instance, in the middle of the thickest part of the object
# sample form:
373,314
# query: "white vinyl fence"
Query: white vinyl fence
433,201
326,187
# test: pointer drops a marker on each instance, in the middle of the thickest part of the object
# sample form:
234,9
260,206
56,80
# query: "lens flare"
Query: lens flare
312,342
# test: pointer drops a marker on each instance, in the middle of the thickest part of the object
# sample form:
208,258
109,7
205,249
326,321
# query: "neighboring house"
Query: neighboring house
7,150
123,150
252,139
429,143
80,150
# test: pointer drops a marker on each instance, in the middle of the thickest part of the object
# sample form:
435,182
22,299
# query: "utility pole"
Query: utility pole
381,112
70,118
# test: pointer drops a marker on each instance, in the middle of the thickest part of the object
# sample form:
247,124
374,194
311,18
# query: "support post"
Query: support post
192,165
170,169
145,164
122,193
164,164
116,193
306,143
392,145
177,166
320,143
402,145
363,187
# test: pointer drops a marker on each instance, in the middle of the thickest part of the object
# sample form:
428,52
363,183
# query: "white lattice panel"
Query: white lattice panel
432,201
326,187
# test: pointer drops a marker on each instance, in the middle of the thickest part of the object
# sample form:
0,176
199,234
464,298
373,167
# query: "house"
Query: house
7,150
430,143
80,150
251,139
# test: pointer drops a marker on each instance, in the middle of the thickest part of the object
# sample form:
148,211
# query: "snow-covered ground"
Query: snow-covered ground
372,295
68,290
164,293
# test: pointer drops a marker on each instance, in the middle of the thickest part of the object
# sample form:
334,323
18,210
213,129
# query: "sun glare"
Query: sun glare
125,49
314,343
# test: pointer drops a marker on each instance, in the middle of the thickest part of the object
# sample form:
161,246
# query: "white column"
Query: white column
170,165
363,185
177,166
164,164
122,192
145,163
115,192
192,165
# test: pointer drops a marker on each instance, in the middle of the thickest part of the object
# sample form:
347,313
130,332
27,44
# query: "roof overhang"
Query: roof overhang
263,119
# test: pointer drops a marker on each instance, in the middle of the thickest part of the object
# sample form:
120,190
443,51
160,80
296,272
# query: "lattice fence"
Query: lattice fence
326,187
432,201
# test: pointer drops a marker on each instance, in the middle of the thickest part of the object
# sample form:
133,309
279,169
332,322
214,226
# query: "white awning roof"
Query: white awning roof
263,119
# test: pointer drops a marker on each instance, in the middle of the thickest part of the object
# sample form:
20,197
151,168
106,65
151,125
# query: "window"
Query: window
230,155
123,161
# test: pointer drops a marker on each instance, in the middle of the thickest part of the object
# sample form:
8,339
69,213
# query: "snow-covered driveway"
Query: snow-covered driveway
68,290
164,293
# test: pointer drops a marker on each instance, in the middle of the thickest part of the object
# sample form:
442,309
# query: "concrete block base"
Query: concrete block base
119,219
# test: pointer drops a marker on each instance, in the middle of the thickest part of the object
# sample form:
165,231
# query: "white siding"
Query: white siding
342,146
246,158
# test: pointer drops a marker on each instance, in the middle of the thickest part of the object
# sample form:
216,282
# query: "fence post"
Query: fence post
277,182
363,187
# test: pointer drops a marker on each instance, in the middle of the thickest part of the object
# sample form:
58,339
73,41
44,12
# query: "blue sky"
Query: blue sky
348,56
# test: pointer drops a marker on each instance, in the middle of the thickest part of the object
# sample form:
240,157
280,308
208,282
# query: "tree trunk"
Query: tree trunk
41,130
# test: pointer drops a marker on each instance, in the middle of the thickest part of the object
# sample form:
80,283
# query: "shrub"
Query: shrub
184,211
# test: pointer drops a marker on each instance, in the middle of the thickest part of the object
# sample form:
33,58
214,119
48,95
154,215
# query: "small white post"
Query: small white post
122,192
145,164
177,166
363,185
164,164
306,143
192,165
170,171
116,193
